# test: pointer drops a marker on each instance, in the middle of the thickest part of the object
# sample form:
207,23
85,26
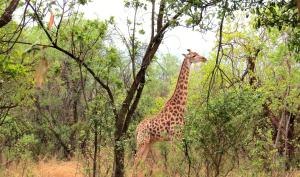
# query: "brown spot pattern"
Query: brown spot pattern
169,121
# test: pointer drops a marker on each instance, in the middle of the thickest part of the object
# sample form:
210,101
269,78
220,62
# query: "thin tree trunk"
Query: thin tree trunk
1,158
287,125
286,142
95,149
187,155
283,115
288,146
279,129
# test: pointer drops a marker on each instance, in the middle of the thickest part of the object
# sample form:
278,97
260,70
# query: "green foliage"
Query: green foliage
10,69
277,14
223,127
83,2
284,16
85,34
17,139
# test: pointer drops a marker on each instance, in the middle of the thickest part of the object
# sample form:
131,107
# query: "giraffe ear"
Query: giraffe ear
184,55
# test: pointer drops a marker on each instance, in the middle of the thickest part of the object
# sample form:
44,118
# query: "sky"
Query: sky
176,40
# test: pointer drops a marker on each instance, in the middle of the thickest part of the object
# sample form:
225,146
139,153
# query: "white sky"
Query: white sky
176,41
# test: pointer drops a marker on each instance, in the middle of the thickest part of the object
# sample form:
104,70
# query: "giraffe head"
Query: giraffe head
194,57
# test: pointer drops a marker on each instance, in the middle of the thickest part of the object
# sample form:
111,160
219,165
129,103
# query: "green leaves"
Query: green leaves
224,125
277,14
141,31
83,2
82,34
135,4
10,69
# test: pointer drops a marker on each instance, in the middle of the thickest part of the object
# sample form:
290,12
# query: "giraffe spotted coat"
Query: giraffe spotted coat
168,123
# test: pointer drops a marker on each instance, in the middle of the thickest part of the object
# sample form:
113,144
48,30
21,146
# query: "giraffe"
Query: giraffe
168,123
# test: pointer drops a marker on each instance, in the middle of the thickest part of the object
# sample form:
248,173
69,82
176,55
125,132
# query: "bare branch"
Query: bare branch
27,43
60,21
152,19
133,45
211,82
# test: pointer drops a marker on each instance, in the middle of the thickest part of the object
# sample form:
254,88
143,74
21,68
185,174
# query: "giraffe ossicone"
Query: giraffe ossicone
168,123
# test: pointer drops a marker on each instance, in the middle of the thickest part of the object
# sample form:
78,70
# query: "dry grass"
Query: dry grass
75,168
50,168
56,168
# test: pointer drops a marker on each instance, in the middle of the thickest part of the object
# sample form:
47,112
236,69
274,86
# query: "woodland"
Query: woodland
73,90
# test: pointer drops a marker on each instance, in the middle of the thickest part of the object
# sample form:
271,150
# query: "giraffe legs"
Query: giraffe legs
141,156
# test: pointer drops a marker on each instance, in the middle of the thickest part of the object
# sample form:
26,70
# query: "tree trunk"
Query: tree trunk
95,150
130,103
118,158
289,147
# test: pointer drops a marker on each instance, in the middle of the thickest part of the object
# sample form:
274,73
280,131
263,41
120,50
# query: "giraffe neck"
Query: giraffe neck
179,98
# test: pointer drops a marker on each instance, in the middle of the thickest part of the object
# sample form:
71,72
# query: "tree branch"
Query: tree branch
211,82
152,19
160,15
77,59
7,15
134,104
8,106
